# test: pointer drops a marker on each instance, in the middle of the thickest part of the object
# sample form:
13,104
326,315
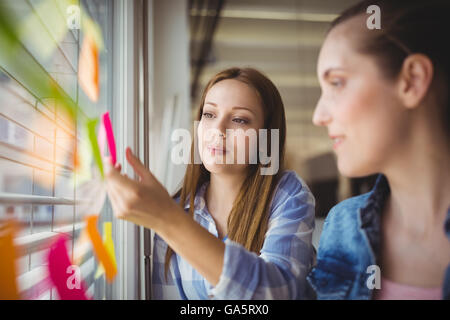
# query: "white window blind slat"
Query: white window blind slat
37,241
14,198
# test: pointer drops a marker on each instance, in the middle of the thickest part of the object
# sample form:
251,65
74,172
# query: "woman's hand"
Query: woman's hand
145,202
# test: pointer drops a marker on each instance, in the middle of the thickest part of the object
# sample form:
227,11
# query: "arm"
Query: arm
196,245
148,204
279,272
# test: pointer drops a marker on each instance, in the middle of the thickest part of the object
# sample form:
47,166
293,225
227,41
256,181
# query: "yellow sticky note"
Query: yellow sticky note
109,244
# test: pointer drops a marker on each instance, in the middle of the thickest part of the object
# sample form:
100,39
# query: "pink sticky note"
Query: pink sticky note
101,138
110,136
63,274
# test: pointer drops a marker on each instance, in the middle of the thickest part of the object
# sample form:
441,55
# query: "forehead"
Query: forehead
340,48
231,92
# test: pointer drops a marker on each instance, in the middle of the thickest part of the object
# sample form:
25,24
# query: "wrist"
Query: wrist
172,223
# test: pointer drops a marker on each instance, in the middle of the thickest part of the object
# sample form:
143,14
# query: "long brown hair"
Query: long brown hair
248,219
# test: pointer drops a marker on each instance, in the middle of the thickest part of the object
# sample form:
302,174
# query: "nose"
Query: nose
216,130
321,116
220,128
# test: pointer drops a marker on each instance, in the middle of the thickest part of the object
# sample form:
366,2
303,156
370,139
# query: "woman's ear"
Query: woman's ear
415,79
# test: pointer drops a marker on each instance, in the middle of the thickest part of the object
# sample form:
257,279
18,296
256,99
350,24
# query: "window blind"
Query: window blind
36,139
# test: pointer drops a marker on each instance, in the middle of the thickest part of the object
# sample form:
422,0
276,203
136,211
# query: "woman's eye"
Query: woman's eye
337,83
240,121
207,115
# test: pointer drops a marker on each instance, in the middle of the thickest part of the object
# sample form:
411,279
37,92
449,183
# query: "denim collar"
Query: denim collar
370,214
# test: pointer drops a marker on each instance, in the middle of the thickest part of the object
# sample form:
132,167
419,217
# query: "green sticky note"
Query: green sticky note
91,125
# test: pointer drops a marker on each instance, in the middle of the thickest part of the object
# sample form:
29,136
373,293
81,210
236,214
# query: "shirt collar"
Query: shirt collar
199,201
447,224
370,213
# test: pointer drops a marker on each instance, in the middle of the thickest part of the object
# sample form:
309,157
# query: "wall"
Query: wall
170,78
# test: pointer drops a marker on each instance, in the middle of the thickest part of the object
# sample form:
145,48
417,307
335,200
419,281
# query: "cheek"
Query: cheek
369,121
355,104
245,145
363,110
239,141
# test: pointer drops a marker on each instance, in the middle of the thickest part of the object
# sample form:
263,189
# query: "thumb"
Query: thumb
137,165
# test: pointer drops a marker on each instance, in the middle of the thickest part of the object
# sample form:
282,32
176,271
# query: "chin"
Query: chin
215,168
354,169
225,169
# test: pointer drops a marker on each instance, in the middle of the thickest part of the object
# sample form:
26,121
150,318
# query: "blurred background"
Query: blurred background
156,58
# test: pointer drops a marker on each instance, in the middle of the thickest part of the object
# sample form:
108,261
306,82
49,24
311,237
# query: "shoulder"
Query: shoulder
341,235
291,183
292,194
343,252
347,210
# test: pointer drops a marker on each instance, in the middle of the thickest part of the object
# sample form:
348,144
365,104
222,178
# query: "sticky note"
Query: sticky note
101,138
110,136
91,126
65,276
100,250
109,244
106,135
83,153
8,254
88,73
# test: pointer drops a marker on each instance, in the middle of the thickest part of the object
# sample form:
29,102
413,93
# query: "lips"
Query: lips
216,150
337,140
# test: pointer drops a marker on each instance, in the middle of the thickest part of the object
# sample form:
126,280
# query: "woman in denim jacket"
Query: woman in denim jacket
385,103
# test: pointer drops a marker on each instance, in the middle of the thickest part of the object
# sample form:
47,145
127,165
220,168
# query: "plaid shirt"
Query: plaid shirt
279,272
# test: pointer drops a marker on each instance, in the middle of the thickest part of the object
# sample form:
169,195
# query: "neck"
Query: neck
420,186
223,190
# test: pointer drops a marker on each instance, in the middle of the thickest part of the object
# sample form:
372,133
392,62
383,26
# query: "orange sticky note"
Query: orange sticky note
109,244
88,69
8,254
100,250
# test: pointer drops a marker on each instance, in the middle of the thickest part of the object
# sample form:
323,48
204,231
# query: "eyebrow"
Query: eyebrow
235,107
327,72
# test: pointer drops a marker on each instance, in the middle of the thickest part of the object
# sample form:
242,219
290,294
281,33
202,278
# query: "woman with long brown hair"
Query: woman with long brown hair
239,228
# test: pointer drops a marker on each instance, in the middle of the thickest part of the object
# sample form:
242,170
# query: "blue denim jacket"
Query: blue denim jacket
350,243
